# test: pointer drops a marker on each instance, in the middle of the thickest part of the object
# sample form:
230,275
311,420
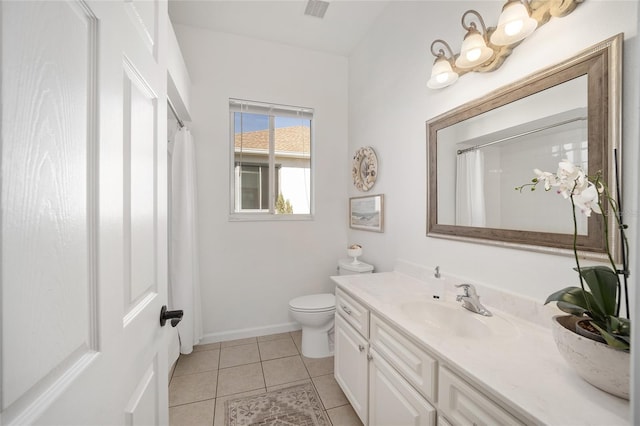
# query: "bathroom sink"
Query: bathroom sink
453,319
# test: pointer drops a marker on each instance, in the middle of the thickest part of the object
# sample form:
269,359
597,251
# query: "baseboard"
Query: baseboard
249,332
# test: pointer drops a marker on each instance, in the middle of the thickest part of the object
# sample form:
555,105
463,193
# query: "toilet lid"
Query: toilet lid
314,302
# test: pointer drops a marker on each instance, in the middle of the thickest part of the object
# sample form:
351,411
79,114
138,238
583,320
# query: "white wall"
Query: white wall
389,104
250,270
178,82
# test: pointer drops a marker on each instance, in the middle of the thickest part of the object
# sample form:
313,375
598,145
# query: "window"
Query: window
271,160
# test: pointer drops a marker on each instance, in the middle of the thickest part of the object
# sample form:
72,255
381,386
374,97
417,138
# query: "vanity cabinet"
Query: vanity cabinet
391,380
378,392
392,400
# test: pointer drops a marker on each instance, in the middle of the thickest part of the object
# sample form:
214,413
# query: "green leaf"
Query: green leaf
574,298
621,327
603,283
611,339
571,308
562,295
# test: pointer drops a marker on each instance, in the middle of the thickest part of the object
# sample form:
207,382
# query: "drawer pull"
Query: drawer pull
347,310
360,348
369,357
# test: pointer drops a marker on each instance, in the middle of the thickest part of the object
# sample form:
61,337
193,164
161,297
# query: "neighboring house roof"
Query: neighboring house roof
290,140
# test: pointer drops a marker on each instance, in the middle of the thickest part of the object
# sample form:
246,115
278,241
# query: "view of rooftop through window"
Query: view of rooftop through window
272,158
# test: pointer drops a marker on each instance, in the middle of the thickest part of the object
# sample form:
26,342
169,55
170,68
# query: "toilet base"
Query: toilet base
317,343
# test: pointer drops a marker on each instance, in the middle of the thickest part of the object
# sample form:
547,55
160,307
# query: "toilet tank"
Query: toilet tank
347,267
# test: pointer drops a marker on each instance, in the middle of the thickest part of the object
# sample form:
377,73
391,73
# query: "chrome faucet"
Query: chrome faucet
436,274
471,301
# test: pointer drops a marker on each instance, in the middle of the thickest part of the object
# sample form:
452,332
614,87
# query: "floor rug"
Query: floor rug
297,405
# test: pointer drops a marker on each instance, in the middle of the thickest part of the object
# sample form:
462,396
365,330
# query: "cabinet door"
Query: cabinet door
414,363
392,400
351,366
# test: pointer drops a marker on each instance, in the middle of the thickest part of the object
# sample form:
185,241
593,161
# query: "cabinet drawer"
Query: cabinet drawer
465,405
354,312
416,365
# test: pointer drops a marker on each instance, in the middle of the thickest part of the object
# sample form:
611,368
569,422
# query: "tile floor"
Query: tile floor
203,380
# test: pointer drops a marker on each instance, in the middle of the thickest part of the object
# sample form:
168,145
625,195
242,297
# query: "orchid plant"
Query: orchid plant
601,302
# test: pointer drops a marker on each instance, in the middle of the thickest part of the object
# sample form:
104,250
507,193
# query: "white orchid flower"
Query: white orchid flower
549,179
587,200
571,179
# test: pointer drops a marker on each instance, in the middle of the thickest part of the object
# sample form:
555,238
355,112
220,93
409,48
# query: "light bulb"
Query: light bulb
442,78
473,54
514,27
442,75
514,24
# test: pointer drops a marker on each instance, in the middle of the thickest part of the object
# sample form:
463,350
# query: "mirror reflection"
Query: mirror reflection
487,155
479,152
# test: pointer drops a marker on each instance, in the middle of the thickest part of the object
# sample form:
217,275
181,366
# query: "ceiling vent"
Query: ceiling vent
316,8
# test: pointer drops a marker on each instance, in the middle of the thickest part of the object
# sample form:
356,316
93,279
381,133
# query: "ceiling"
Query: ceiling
343,26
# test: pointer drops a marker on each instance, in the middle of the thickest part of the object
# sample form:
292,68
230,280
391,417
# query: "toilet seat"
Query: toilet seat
324,302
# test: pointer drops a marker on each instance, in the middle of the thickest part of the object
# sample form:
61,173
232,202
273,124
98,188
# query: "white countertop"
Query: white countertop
522,370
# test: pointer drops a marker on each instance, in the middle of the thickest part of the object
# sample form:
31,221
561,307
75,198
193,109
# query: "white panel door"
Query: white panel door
83,214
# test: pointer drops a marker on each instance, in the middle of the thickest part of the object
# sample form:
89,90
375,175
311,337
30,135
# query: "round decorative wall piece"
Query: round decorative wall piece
365,168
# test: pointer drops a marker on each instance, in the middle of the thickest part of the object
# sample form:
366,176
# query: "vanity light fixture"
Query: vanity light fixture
515,23
474,50
486,51
442,73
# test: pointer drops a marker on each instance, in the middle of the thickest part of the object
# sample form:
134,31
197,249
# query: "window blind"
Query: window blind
254,107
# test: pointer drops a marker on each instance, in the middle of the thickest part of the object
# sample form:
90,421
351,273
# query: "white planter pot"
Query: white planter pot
597,363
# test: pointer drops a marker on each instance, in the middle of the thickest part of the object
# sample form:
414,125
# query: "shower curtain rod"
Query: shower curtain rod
540,129
175,113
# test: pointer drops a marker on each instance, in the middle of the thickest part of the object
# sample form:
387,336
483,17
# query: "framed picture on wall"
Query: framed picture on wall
367,213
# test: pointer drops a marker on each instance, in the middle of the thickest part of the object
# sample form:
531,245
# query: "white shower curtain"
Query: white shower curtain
183,262
470,205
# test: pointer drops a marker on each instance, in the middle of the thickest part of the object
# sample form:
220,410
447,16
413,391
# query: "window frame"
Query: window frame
273,111
238,170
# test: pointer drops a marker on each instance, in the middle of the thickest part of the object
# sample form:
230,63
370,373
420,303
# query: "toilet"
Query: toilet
315,313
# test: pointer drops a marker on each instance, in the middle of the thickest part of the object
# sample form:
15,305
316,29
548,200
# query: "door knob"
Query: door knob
174,316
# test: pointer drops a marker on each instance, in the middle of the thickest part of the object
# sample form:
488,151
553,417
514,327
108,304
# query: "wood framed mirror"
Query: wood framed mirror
479,152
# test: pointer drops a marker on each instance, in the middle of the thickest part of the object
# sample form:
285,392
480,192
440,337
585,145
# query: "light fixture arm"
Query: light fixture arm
472,25
441,53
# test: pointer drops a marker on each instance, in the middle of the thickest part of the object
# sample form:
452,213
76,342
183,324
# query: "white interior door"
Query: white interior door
84,254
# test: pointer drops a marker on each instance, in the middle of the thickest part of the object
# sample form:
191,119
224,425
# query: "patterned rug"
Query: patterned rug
297,405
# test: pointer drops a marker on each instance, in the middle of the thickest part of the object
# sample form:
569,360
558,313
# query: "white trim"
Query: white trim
266,216
271,187
232,165
254,107
290,154
249,332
